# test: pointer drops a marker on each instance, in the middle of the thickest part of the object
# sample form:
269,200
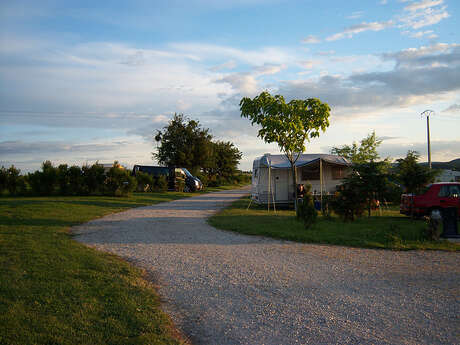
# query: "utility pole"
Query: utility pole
427,113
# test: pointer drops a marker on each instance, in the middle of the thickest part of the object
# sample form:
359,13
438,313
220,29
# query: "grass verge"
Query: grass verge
389,230
54,290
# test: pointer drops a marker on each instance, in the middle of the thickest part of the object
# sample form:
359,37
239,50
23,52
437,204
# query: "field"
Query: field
54,290
390,230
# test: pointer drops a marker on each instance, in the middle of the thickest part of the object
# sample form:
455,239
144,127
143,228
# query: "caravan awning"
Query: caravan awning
281,161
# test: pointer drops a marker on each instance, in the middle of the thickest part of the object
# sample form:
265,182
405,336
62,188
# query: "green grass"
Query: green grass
390,230
54,290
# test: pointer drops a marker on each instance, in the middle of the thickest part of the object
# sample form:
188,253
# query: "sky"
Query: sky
87,81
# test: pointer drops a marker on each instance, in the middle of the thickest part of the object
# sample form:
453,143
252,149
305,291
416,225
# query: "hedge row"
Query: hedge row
91,180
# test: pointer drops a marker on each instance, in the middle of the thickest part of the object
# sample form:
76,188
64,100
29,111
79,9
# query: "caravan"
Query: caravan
272,176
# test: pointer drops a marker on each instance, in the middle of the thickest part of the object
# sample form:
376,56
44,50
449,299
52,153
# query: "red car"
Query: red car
436,197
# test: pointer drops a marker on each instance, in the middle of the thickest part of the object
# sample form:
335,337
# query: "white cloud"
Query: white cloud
454,108
226,65
355,15
311,39
423,13
350,31
416,6
309,64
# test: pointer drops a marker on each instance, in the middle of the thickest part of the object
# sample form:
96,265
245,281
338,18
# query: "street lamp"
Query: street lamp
427,113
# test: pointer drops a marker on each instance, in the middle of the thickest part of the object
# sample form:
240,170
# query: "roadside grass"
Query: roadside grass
390,230
54,290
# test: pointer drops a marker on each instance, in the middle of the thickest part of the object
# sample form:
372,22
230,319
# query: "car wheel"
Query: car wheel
187,189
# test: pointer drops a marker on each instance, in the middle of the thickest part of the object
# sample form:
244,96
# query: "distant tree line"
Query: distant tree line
184,143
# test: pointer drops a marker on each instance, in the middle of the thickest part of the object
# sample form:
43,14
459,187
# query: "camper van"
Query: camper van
173,175
272,176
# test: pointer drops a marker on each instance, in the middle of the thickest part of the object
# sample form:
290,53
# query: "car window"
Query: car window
444,191
454,191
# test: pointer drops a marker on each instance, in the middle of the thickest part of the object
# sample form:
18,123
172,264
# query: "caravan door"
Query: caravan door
281,183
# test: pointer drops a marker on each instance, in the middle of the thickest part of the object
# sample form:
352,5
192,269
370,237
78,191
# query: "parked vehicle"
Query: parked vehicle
173,175
436,197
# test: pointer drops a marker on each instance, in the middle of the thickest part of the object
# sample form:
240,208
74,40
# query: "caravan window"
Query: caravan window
310,173
338,173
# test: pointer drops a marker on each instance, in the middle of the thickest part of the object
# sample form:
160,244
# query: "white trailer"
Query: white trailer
272,176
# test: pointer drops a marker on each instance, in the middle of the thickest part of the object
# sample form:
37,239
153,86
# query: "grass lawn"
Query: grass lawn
390,230
54,290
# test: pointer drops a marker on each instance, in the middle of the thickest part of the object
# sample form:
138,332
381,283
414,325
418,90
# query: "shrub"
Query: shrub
63,179
94,178
119,182
160,183
76,181
144,182
3,179
14,181
306,209
348,202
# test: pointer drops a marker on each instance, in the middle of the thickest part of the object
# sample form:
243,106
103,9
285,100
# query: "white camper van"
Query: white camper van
272,176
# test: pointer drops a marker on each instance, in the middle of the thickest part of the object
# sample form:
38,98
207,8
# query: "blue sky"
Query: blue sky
91,81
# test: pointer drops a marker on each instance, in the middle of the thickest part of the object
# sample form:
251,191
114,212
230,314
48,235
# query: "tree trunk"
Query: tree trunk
294,180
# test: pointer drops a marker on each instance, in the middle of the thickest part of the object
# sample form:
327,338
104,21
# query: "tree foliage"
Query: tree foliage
184,143
287,124
413,175
225,159
366,151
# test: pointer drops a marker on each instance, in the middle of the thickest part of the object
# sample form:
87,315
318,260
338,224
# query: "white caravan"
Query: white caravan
272,176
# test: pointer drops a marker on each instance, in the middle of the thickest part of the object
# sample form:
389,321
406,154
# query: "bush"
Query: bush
3,179
119,182
306,208
144,182
160,183
14,181
44,182
76,181
94,178
348,202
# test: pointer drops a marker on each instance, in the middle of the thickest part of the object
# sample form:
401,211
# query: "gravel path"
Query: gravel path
225,288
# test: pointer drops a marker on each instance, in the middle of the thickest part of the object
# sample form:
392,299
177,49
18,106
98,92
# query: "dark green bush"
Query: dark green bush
160,183
15,182
119,182
94,178
3,180
348,203
144,182
76,181
306,211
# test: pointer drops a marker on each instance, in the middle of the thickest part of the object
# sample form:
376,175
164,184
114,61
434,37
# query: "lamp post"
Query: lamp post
427,113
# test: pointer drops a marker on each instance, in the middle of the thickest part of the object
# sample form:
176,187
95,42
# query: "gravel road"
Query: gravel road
224,288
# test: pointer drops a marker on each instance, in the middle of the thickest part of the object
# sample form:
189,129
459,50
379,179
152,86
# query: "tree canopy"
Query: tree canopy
364,153
287,124
184,143
413,175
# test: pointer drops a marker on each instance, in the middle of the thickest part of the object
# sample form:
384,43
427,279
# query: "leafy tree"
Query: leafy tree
287,124
348,202
413,175
14,181
184,143
374,181
225,159
365,152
